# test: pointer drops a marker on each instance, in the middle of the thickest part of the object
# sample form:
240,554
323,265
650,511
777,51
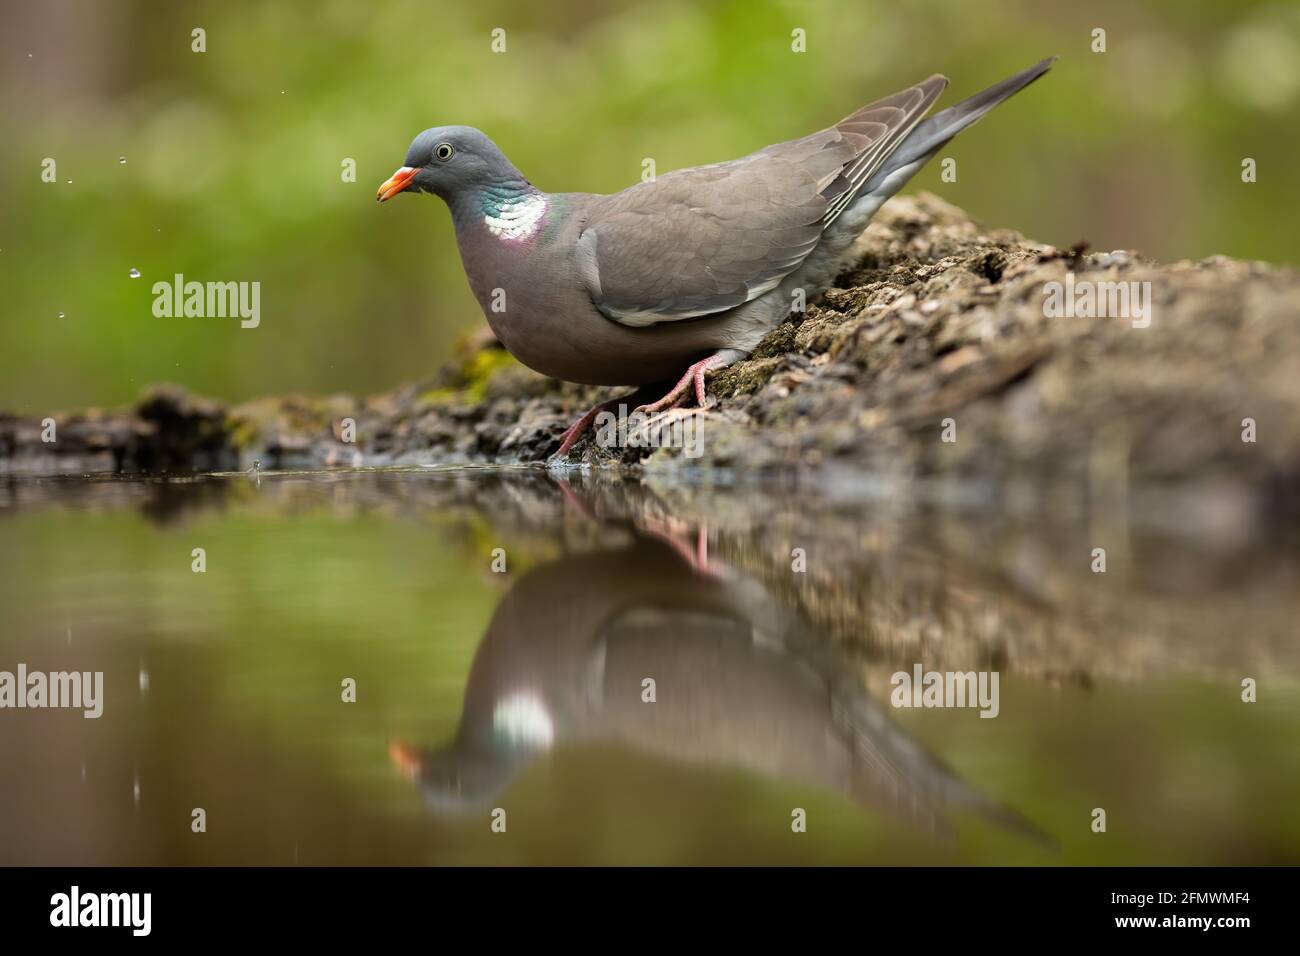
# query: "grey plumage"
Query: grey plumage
704,240
932,133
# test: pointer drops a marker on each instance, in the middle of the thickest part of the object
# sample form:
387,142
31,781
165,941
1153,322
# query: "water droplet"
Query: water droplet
136,788
144,680
121,160
134,273
60,315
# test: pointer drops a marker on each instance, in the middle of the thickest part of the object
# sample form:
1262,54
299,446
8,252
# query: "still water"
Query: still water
376,666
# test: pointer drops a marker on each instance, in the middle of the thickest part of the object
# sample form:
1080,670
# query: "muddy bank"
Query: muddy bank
932,364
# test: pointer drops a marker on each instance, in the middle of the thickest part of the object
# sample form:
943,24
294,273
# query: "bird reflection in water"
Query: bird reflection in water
740,681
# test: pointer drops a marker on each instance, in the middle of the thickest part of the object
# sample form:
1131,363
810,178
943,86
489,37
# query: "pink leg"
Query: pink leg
682,389
677,535
579,428
695,374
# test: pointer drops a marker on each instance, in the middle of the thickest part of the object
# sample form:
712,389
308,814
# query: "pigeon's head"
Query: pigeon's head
454,780
447,161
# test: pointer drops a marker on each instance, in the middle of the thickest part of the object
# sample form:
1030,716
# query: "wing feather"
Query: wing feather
704,240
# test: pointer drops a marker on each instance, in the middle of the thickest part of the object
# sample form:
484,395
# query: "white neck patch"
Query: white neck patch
524,719
518,219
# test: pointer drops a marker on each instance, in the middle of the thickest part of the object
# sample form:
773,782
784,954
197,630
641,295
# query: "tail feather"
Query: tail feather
930,135
891,767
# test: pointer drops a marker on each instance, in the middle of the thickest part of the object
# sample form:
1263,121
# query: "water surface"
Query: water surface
769,619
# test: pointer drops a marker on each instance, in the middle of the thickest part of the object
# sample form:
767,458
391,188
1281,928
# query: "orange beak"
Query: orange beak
404,758
396,183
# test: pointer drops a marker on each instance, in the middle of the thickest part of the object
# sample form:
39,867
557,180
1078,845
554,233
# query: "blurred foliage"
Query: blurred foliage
233,156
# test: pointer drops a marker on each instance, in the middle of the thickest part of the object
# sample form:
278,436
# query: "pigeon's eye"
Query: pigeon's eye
443,151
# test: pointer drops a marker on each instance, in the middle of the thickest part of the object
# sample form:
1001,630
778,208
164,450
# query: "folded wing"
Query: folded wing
704,240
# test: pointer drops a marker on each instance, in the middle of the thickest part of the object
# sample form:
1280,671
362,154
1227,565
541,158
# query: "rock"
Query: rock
168,430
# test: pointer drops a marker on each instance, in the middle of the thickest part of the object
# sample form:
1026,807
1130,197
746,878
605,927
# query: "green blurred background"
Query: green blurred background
234,156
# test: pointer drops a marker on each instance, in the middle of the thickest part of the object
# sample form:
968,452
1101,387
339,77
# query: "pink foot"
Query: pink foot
676,534
681,390
579,428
